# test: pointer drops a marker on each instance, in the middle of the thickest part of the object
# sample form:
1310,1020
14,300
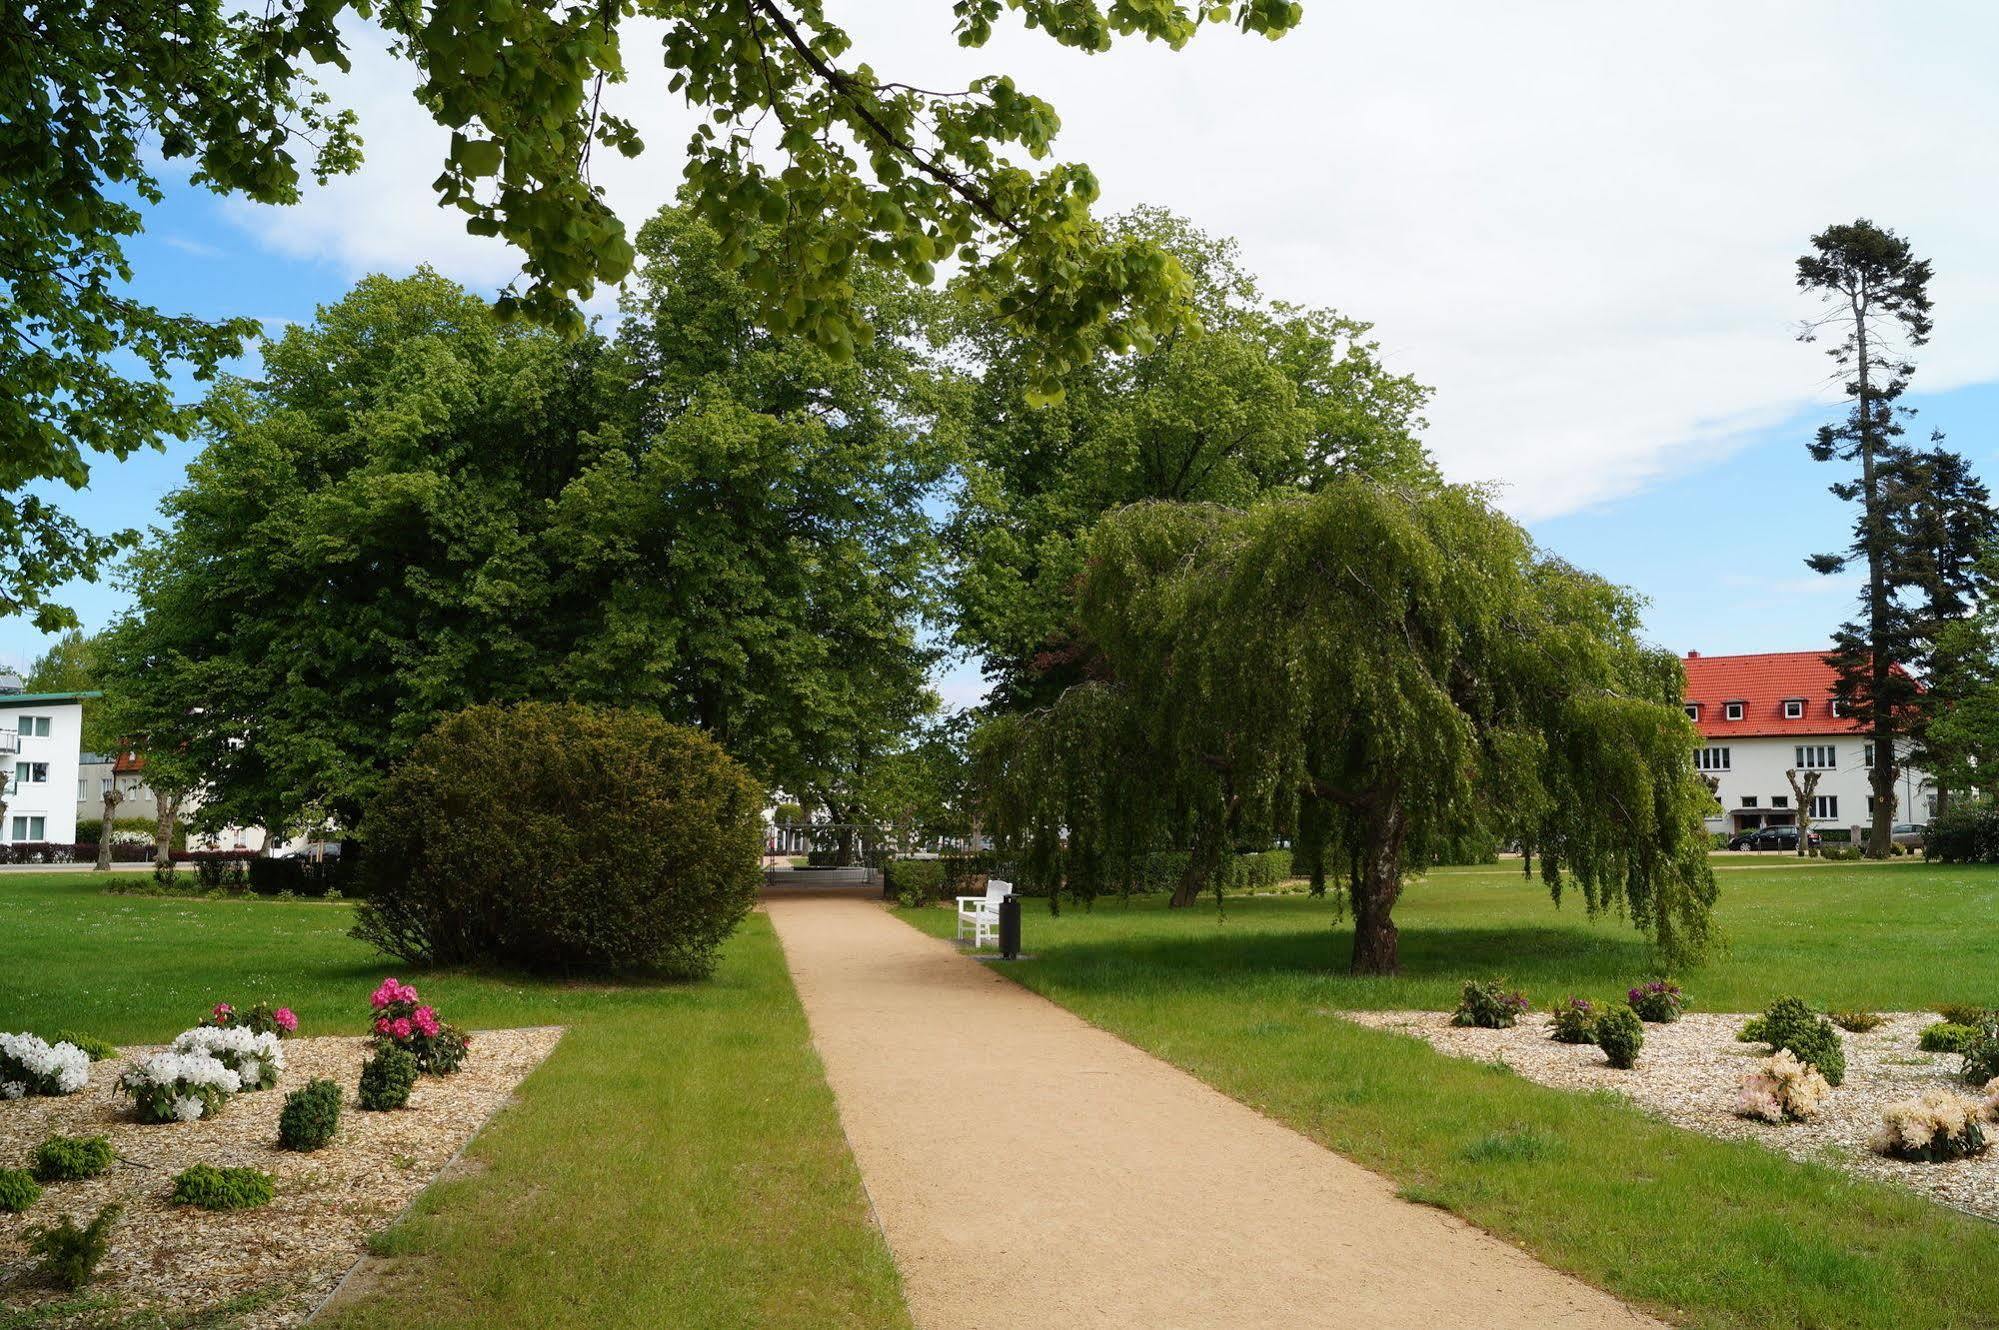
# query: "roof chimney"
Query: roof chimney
1693,655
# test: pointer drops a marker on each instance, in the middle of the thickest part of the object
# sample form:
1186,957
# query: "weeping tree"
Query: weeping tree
1379,671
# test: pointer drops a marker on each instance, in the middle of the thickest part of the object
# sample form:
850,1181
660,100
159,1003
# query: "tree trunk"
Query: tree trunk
1201,858
1380,882
112,798
163,827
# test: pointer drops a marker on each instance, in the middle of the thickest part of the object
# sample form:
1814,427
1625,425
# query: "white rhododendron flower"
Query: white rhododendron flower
42,1068
13,1089
188,1108
255,1058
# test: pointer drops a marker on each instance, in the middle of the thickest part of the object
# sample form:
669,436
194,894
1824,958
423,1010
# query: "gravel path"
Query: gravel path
1690,1070
1029,1169
288,1255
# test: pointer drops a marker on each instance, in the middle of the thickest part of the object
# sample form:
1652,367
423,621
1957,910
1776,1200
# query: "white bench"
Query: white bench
980,914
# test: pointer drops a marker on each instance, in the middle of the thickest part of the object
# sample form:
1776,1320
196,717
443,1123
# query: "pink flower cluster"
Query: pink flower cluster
391,991
222,1012
286,1019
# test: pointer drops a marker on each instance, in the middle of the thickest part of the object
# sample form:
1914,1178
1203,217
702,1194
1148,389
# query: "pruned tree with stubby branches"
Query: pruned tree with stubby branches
1379,670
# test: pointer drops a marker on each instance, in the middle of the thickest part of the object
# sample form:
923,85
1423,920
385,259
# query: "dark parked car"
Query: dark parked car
1769,838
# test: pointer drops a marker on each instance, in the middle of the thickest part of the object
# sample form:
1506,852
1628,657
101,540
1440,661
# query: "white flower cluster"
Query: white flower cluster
179,1086
1783,1089
30,1066
255,1058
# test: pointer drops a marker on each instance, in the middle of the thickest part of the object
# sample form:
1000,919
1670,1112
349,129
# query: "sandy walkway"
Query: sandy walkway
1032,1170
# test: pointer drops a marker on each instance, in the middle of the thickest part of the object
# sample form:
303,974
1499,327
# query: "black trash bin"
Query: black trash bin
1009,927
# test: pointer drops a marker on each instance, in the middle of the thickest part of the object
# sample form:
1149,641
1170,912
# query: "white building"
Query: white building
41,737
1765,715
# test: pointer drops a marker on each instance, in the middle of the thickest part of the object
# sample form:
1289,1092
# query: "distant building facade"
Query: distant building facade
41,738
1764,715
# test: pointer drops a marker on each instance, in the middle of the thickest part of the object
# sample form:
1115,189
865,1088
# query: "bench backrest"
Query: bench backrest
998,889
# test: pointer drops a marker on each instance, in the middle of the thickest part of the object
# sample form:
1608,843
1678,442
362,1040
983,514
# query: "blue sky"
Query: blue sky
1577,222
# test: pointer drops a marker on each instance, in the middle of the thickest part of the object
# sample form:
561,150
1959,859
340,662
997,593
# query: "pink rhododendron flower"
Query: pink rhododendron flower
400,1027
426,1020
223,1011
285,1019
382,1025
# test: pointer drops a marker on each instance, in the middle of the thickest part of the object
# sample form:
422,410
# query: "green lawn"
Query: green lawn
1706,1232
677,1160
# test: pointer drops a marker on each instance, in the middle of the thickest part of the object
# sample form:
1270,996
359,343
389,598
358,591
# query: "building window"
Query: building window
31,773
1867,755
1693,711
32,727
1748,801
1816,757
30,828
1835,708
1825,808
1711,759
1731,710
1794,708
1780,801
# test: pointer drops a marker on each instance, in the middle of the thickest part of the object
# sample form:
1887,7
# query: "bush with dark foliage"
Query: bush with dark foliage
1964,834
309,1116
1811,1037
562,837
386,1079
69,1254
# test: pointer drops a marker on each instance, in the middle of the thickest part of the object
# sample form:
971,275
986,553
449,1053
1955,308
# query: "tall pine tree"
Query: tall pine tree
1876,303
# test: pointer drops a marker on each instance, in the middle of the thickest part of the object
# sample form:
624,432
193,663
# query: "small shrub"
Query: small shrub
1658,1002
1945,1037
1783,1089
1981,1051
1962,1013
403,1020
1856,1022
30,1065
1574,1021
309,1116
1811,1037
70,1255
1620,1034
1755,1030
18,1190
212,1188
386,1079
1941,1125
1964,834
73,1158
476,856
914,882
97,1050
1487,1005
262,1018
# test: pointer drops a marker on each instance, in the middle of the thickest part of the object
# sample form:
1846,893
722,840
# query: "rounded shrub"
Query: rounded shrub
309,1116
1981,1052
212,1188
1620,1034
386,1079
1811,1037
561,837
73,1158
1946,1037
18,1190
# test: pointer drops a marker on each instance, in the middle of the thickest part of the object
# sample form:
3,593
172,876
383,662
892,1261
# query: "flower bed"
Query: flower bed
1692,1073
326,1203
28,1066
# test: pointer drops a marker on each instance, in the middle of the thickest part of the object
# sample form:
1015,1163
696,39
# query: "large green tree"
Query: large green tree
1381,669
419,507
1252,397
806,160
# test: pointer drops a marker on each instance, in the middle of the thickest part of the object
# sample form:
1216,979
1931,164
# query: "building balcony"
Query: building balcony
10,741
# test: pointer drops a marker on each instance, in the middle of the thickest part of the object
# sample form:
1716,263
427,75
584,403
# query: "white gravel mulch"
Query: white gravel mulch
288,1256
1691,1069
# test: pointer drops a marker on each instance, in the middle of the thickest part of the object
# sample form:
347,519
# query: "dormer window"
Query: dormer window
1836,709
1693,711
1731,710
1794,708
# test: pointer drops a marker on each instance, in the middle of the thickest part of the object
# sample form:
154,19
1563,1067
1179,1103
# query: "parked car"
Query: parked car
1911,834
1770,838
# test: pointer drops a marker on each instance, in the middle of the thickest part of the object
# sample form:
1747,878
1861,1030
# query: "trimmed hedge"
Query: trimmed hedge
555,836
914,882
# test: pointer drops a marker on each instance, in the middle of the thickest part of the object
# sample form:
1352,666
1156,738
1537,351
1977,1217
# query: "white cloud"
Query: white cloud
1576,220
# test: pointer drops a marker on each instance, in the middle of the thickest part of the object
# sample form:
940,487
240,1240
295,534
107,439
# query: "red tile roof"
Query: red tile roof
1763,683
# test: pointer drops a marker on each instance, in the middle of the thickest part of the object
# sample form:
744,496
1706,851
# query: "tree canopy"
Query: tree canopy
1253,397
1375,670
419,507
807,162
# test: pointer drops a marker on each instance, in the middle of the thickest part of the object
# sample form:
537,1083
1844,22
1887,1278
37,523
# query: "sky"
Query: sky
1577,221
